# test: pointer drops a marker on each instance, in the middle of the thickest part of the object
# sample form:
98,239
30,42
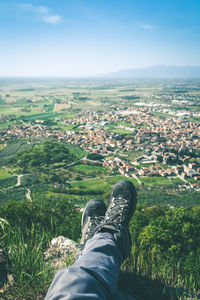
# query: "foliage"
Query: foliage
15,194
95,156
164,195
131,97
47,153
1,100
4,173
41,116
29,180
8,182
25,233
166,245
57,216
11,149
90,170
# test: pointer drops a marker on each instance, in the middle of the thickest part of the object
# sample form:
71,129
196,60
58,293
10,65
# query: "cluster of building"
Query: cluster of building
154,136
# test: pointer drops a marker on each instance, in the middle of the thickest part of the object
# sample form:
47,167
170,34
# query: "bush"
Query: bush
166,246
8,182
25,234
95,156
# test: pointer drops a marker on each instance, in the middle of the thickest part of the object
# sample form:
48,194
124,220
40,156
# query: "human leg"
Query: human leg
95,274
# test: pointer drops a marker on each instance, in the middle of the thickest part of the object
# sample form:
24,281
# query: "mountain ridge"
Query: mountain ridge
156,71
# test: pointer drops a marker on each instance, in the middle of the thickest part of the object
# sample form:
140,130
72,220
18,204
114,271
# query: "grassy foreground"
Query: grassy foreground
165,255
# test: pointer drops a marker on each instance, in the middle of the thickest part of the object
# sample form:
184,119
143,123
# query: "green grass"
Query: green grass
155,180
163,166
122,131
6,124
4,173
97,186
162,115
90,170
70,115
12,148
194,119
41,116
191,180
15,194
143,165
77,151
25,232
130,155
142,125
123,123
8,182
65,126
176,180
49,107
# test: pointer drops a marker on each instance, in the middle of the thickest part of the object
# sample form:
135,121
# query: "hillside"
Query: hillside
158,71
60,180
165,254
64,142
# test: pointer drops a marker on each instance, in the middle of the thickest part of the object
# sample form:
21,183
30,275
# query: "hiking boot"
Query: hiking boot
92,216
120,210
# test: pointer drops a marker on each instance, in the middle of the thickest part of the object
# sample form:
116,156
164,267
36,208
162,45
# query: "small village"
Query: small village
165,146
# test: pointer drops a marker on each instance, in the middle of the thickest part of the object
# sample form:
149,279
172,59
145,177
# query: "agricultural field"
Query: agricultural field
155,181
90,170
50,109
64,142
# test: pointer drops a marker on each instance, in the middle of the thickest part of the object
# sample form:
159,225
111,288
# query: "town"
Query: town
166,147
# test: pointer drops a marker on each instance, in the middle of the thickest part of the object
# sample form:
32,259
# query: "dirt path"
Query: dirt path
178,176
138,180
19,180
28,195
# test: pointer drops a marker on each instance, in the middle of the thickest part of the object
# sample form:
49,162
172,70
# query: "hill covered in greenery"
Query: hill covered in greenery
165,255
46,153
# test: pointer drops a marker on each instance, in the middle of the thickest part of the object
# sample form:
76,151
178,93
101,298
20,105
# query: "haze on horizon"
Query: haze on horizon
87,37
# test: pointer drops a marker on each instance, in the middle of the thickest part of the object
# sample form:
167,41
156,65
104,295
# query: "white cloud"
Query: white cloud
53,19
148,27
41,12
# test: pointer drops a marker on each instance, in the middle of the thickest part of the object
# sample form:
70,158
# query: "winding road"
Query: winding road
28,194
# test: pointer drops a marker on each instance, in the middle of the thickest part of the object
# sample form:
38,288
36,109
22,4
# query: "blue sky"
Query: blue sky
85,37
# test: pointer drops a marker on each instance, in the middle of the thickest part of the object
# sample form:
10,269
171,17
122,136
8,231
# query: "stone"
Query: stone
62,252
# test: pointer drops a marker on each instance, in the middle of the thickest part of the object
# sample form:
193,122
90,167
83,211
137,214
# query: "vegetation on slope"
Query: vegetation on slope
25,232
165,247
45,154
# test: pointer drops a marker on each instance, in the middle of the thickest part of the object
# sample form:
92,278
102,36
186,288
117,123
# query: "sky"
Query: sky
74,38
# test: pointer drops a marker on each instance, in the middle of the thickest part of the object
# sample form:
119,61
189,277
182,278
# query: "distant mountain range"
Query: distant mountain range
158,71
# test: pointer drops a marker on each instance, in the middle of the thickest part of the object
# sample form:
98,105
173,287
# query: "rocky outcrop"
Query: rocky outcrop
62,252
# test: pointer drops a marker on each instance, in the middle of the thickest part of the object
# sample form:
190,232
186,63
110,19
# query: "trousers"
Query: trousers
93,276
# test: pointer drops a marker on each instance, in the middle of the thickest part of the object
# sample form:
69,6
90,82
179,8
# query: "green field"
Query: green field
176,181
165,235
4,173
130,155
155,180
64,126
41,116
6,124
122,131
191,180
97,186
90,170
